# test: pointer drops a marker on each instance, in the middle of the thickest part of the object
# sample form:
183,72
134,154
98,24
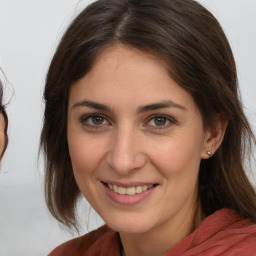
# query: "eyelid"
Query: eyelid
168,118
83,119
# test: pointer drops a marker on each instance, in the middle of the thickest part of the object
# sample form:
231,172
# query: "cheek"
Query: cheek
178,155
85,153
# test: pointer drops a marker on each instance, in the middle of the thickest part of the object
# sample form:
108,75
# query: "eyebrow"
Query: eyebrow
91,104
159,105
141,109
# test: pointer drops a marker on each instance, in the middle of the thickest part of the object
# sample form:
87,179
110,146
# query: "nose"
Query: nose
126,152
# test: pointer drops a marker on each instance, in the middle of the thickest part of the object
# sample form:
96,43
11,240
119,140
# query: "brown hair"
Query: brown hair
3,112
197,53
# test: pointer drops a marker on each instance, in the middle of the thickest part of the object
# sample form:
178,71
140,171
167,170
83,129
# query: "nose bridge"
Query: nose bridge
124,154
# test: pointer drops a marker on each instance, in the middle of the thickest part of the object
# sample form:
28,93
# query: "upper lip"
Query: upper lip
128,184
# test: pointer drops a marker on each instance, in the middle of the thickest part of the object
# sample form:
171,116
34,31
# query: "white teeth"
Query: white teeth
121,190
144,188
129,191
115,188
138,189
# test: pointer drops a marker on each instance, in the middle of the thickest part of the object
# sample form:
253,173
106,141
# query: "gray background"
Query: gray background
29,33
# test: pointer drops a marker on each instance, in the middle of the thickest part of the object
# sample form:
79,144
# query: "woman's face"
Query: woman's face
135,140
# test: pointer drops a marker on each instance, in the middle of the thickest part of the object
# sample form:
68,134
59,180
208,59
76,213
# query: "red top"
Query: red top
222,233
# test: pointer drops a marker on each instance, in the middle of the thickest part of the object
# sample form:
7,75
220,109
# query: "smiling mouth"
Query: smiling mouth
129,190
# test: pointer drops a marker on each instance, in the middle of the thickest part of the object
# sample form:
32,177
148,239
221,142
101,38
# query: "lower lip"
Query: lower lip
127,199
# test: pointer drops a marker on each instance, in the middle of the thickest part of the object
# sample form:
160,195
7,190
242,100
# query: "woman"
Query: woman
143,118
3,124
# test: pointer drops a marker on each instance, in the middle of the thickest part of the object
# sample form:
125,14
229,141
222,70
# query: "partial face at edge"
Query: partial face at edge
2,135
130,127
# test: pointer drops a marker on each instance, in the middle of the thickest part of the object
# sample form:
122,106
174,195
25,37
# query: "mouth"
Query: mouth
128,194
131,190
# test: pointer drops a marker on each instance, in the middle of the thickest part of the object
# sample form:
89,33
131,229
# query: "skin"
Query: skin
127,144
2,136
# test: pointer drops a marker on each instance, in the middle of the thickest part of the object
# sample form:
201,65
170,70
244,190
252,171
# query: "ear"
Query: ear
214,137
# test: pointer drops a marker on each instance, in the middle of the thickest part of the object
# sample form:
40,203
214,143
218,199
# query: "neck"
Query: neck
160,240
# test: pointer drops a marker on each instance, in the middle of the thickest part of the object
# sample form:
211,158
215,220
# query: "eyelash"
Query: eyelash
84,121
168,120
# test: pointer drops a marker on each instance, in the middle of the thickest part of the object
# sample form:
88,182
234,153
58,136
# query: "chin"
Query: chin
129,225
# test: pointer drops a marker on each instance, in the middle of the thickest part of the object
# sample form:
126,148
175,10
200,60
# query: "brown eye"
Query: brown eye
97,120
94,121
160,121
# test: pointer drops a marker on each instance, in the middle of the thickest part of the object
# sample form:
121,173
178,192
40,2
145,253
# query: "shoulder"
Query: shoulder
227,233
97,242
223,233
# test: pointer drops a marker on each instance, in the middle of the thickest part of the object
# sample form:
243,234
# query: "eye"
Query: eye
160,121
94,120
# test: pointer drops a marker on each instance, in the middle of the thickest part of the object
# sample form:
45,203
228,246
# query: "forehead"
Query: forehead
122,74
120,63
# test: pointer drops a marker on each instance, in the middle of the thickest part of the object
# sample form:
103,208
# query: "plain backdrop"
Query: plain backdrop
29,33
